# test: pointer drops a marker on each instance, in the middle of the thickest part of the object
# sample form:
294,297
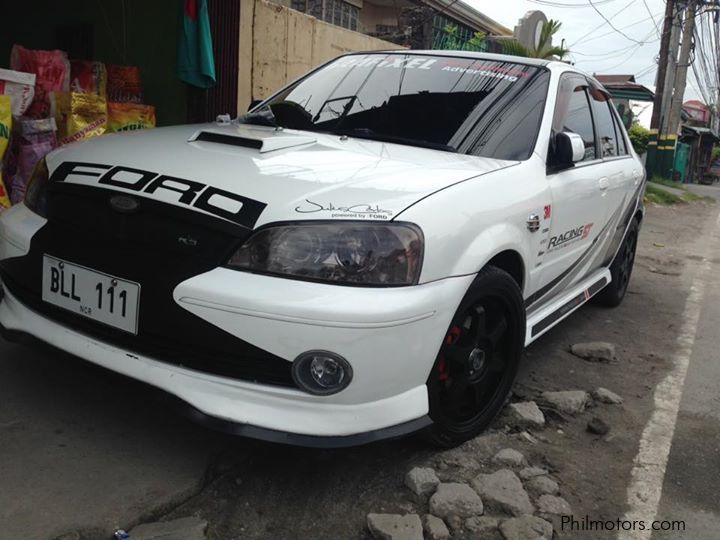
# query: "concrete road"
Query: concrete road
690,485
85,451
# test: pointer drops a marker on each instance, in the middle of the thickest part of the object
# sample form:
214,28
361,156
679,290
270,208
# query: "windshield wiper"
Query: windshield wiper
366,133
261,117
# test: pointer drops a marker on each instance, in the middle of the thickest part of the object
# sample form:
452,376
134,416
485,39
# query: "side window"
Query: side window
605,125
619,131
572,114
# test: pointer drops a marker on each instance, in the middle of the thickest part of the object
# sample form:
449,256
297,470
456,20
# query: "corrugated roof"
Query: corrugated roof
615,78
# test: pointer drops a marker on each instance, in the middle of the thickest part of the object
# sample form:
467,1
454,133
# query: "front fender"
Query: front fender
466,224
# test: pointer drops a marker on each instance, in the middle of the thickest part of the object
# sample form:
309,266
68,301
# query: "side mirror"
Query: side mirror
569,148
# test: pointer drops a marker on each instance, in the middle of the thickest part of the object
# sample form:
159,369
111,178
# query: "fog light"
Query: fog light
321,372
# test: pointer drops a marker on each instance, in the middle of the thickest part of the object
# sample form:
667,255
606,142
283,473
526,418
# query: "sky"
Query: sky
595,46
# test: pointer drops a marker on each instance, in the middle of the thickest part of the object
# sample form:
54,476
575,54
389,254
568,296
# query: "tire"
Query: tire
478,359
621,269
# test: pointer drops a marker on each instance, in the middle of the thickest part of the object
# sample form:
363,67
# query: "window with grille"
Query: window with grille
335,12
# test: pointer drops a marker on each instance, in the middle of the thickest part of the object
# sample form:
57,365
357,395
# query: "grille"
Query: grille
144,247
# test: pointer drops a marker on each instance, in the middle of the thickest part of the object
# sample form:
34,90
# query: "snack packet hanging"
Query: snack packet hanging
20,87
88,77
5,125
123,84
79,116
32,139
130,117
53,75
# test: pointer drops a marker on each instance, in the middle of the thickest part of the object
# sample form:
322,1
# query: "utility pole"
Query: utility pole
681,75
662,63
670,74
650,164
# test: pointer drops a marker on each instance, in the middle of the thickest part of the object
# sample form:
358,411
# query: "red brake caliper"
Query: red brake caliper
451,339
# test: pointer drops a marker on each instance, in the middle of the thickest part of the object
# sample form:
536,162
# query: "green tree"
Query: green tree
544,48
639,137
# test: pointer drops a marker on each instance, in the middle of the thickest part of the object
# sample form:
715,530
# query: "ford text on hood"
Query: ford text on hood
354,259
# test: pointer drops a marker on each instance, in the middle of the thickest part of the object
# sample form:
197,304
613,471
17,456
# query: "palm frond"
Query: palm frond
514,48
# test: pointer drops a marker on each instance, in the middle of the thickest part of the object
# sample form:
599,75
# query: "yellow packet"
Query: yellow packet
79,116
5,126
130,116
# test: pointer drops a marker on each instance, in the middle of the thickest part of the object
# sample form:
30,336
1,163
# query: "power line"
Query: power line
550,3
611,24
598,27
657,28
621,28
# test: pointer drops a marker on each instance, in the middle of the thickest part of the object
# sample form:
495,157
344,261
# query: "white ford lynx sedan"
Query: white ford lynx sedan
363,255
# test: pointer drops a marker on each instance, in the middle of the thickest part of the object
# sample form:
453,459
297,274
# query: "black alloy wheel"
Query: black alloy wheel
478,359
621,269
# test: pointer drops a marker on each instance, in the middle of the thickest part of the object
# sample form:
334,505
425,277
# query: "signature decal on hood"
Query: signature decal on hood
221,203
354,211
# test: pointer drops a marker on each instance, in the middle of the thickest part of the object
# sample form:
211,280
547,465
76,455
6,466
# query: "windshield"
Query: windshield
485,107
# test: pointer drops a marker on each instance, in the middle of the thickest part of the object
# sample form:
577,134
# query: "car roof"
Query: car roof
469,54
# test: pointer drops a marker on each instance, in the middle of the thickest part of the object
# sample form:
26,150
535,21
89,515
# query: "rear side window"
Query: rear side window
622,144
572,114
605,125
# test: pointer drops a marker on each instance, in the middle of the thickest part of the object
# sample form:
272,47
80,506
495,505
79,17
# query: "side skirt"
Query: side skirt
551,314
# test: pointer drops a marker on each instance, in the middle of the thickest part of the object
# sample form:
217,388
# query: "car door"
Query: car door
621,173
579,207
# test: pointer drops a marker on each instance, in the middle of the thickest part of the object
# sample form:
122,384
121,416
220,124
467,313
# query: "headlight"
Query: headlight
36,193
352,252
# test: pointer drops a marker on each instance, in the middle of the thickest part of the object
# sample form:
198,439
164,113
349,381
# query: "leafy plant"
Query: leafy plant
450,40
639,137
715,153
544,48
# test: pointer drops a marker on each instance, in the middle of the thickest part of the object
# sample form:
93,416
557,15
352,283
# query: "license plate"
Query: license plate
95,295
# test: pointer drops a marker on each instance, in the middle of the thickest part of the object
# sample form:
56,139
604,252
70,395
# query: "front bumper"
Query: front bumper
390,337
260,411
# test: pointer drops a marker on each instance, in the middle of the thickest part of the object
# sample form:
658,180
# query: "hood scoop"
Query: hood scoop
259,140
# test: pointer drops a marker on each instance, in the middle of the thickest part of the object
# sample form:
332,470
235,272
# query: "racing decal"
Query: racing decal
561,281
224,204
353,211
569,237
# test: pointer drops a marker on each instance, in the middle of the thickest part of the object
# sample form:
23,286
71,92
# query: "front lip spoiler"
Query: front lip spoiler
307,441
256,432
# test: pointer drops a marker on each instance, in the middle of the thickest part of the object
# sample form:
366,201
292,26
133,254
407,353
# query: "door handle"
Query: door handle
603,183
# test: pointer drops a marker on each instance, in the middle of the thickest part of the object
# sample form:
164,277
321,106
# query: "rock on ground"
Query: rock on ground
188,528
393,526
542,485
435,528
510,458
526,414
482,526
550,504
454,499
531,472
598,426
421,481
504,491
603,395
568,401
596,351
526,528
